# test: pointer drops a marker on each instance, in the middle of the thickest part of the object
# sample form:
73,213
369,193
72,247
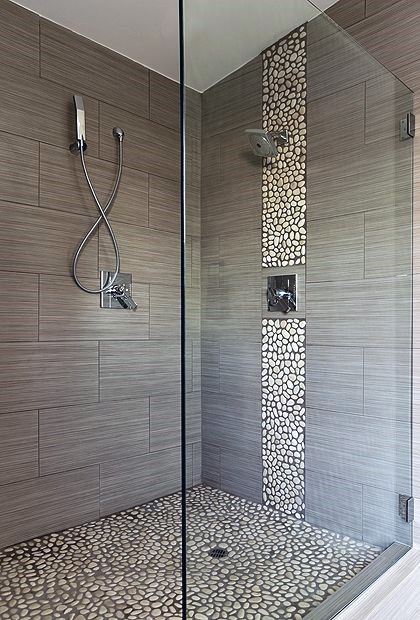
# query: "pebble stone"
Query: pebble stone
283,415
284,177
127,566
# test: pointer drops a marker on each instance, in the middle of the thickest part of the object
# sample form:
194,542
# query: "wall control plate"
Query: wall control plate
123,279
282,293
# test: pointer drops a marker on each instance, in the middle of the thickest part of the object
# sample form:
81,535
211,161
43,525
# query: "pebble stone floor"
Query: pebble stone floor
127,566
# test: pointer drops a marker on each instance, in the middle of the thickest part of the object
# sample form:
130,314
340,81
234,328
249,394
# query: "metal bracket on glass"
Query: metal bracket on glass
406,508
408,127
119,296
281,293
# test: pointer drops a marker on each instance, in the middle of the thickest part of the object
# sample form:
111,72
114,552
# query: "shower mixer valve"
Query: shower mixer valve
119,295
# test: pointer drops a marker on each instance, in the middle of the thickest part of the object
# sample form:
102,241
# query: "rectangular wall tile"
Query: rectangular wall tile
241,474
42,240
335,315
18,446
392,35
30,104
360,449
233,102
341,183
232,422
89,68
74,437
165,420
335,379
382,524
19,38
348,12
240,369
164,100
19,321
388,250
387,383
210,366
336,248
35,375
387,102
149,255
63,186
333,503
48,504
164,204
211,464
80,317
339,114
165,312
19,171
335,61
148,146
138,369
196,462
129,482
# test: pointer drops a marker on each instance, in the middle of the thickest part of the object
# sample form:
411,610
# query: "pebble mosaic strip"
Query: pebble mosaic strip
283,415
127,566
284,177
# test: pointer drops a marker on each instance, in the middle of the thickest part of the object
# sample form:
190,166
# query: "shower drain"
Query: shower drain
218,553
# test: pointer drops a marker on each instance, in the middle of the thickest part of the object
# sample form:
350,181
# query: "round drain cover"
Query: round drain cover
218,553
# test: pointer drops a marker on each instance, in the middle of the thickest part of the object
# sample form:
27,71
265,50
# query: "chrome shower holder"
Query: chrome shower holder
119,295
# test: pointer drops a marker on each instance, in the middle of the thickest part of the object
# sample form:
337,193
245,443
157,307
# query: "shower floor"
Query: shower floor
127,566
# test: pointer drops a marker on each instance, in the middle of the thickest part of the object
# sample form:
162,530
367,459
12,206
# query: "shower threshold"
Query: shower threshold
127,565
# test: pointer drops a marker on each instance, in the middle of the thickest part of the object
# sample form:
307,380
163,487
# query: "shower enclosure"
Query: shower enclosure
240,445
305,314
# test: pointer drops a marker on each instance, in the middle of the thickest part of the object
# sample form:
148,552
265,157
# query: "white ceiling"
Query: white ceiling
220,35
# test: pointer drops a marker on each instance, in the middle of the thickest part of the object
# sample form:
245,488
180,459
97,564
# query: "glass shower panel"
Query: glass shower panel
298,313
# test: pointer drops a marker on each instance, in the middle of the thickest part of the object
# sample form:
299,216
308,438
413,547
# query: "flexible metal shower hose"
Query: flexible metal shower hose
102,218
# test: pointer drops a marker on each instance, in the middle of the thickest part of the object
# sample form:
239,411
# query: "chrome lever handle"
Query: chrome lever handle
124,299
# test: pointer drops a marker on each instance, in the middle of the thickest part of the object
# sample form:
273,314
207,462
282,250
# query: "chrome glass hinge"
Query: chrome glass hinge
408,126
406,508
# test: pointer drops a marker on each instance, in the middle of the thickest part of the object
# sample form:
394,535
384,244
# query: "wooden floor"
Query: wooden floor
395,596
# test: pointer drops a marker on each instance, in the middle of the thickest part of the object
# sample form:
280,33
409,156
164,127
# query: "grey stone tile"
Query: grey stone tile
127,482
374,312
241,474
232,422
382,524
73,437
387,383
18,446
359,449
388,250
333,503
240,368
336,248
335,379
211,464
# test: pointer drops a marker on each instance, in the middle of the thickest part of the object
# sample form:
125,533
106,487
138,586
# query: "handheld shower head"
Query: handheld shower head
79,108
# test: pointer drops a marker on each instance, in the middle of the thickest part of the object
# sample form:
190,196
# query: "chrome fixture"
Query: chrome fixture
408,127
265,143
281,293
80,125
119,295
79,146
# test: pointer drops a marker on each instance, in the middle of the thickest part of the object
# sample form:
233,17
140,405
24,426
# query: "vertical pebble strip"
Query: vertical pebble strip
283,415
284,177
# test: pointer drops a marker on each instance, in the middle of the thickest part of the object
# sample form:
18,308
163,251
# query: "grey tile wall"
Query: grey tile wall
358,295
231,285
90,412
390,32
